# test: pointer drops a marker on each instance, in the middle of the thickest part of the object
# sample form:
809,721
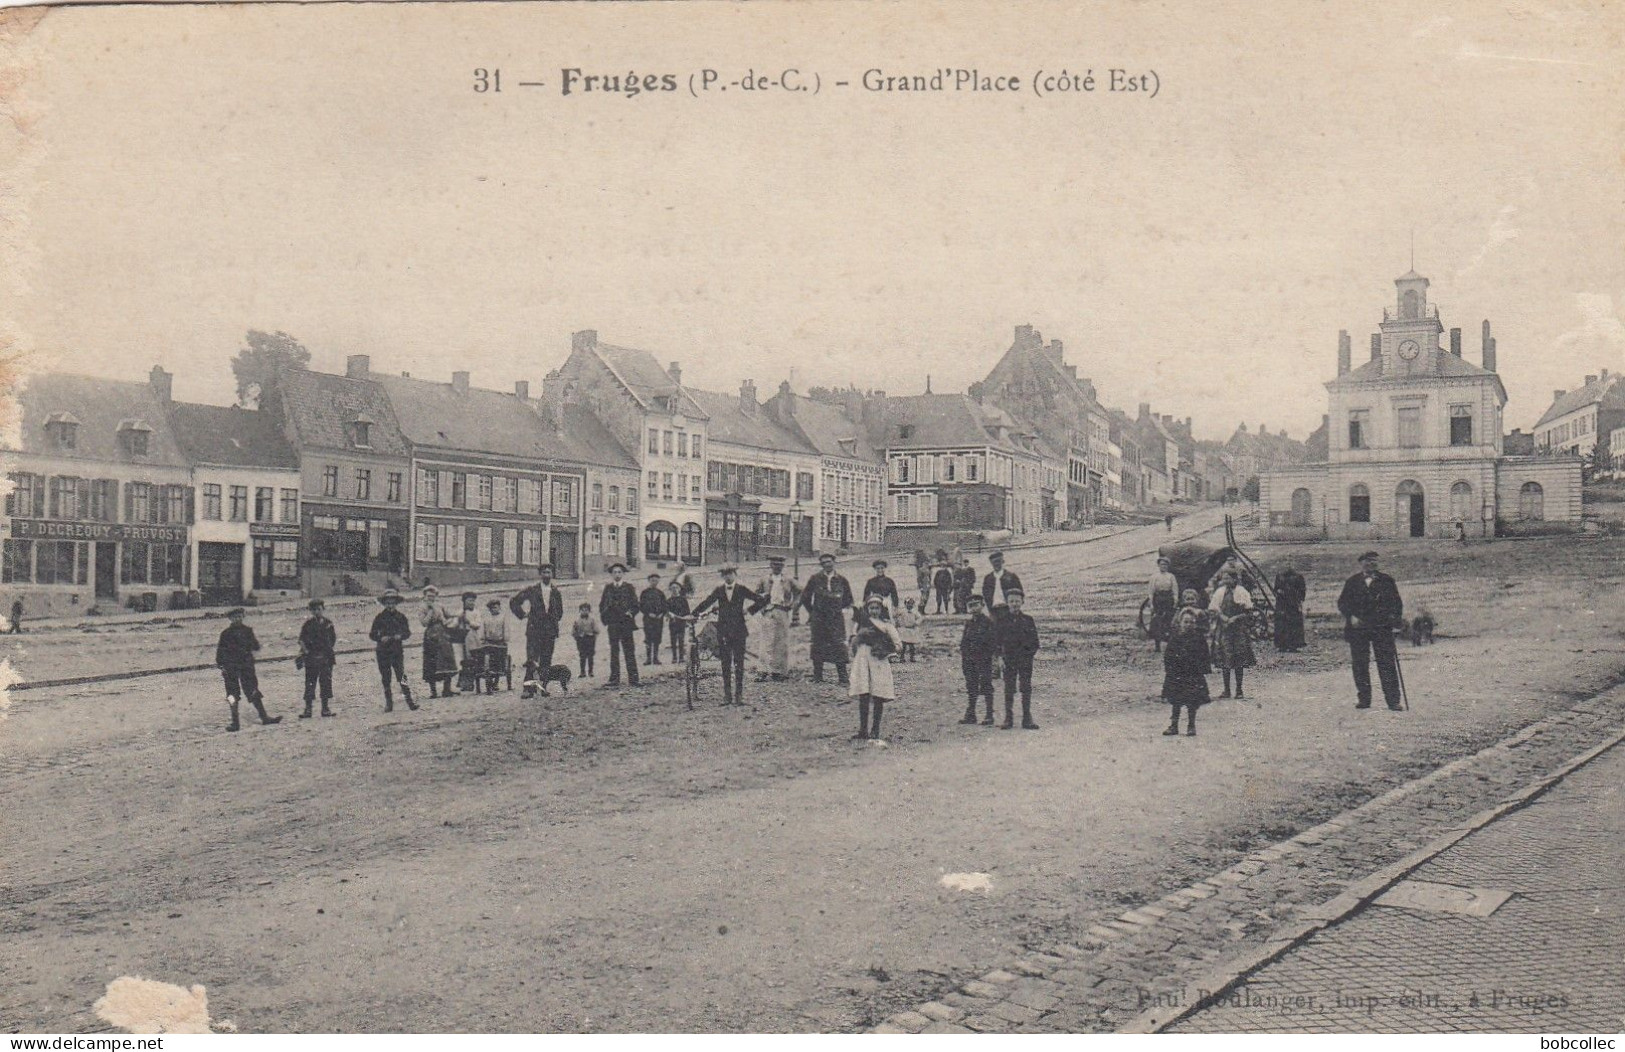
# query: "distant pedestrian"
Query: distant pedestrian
977,645
964,585
1231,608
1164,589
874,641
390,631
17,616
1461,532
1168,520
908,630
826,598
541,608
234,656
1186,664
1372,609
677,608
781,593
1017,636
922,581
942,580
464,631
730,598
584,630
652,604
439,654
1290,591
491,651
618,610
318,643
997,586
883,586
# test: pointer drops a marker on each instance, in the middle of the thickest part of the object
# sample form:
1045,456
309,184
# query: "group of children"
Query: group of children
999,643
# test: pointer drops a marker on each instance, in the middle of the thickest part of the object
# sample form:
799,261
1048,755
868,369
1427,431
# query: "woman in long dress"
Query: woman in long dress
1186,664
439,656
1290,590
1231,610
874,641
1164,588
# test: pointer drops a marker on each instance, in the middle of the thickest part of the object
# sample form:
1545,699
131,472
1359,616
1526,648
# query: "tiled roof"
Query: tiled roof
936,421
730,423
436,415
101,407
1449,366
231,435
830,431
322,406
644,377
592,440
1606,389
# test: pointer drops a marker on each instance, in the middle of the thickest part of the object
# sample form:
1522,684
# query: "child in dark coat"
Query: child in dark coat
318,641
677,608
391,630
584,630
1186,664
1017,635
652,603
234,654
976,648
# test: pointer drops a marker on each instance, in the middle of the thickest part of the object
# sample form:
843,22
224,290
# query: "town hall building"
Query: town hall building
1414,445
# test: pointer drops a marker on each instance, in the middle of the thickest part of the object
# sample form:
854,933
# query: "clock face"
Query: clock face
1409,350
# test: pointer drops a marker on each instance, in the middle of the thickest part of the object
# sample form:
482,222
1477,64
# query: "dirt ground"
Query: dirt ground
609,861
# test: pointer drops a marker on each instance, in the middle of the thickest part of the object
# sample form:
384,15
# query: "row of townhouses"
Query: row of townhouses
329,483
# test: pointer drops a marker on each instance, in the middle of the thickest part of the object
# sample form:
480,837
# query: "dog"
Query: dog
1421,630
559,674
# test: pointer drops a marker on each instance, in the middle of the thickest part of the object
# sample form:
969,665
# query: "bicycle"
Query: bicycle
691,660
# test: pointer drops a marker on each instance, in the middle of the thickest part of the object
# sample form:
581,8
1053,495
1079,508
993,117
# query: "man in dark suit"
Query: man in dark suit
618,610
1372,609
997,586
827,596
729,598
541,608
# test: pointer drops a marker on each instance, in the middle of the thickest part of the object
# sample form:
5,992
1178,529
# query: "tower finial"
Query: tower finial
927,383
1413,249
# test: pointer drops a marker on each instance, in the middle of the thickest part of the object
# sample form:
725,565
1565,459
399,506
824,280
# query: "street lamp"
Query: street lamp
796,512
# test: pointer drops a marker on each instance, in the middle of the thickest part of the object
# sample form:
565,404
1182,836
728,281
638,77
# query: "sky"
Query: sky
183,175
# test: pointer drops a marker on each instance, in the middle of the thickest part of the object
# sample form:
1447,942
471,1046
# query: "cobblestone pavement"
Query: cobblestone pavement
1144,967
1547,960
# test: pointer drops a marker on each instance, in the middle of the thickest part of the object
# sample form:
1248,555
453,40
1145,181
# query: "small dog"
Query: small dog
1422,630
559,674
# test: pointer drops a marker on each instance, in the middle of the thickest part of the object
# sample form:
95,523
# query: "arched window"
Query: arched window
1531,501
693,543
1359,503
1411,305
660,540
1300,507
1461,502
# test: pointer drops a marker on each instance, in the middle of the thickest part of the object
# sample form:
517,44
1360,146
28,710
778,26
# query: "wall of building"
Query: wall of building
1559,481
277,536
611,523
852,504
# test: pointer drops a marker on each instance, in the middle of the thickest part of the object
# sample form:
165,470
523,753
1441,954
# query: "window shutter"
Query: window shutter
191,505
129,501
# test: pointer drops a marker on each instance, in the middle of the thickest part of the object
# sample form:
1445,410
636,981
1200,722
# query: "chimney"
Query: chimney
1591,379
357,366
1559,393
675,371
747,397
1145,410
163,383
1188,426
784,388
521,390
585,340
1455,342
459,382
1027,336
1057,352
1489,355
854,404
1345,352
1376,346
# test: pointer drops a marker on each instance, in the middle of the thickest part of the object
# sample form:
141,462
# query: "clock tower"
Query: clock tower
1410,332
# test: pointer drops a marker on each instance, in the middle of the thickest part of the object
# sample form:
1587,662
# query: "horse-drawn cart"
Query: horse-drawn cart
1196,565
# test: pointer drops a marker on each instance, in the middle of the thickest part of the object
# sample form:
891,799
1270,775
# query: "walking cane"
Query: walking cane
1399,670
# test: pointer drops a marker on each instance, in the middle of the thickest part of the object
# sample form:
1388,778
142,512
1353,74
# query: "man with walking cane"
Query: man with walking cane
1372,609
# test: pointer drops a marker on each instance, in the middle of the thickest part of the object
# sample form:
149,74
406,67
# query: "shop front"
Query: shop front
74,565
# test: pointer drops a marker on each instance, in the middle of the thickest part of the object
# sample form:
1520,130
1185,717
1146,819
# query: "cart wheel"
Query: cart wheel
1144,623
1264,625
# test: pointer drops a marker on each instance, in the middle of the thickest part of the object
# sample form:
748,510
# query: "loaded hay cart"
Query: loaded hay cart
1195,564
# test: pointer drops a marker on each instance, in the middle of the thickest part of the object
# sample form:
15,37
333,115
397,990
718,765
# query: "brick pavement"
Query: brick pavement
1138,969
1548,960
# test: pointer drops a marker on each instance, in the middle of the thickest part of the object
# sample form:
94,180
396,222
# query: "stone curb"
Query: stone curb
1360,894
1223,977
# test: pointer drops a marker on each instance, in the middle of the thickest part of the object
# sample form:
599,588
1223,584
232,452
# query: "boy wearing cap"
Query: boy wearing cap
390,631
652,604
729,598
1017,637
317,642
491,647
882,586
677,608
997,586
618,610
234,654
976,648
584,630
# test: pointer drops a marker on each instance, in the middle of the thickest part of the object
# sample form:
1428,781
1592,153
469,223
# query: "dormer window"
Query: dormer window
63,430
134,436
361,431
905,431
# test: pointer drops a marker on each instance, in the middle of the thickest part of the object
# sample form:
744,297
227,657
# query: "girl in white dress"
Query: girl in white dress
874,641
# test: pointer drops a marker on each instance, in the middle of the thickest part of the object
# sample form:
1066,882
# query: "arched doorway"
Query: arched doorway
1462,508
1531,501
660,539
1300,507
1410,513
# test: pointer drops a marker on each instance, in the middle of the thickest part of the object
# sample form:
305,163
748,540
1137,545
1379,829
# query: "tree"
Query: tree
1249,489
265,358
824,394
